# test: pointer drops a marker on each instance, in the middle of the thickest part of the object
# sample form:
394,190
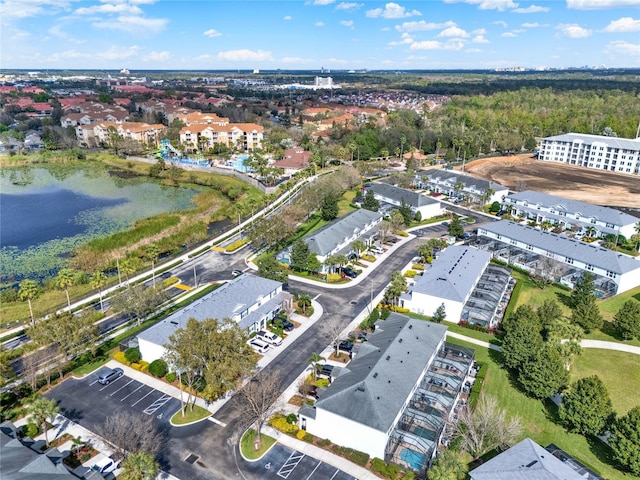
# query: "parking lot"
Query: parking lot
89,403
283,463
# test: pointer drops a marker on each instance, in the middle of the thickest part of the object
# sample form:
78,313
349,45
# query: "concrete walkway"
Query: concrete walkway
473,340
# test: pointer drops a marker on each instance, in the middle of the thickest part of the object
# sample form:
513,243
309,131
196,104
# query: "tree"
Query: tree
396,220
114,139
448,465
304,302
548,314
64,280
331,330
313,264
440,314
138,301
627,319
625,440
128,266
426,252
329,207
41,410
152,251
522,337
259,397
29,290
487,427
405,211
495,207
396,287
384,228
128,433
269,267
300,255
139,466
99,280
586,312
455,226
586,407
358,246
543,373
370,202
314,361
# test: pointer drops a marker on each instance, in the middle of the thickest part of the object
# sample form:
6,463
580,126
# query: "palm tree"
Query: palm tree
546,225
458,188
139,466
358,246
29,290
151,252
41,410
128,266
77,443
64,280
637,235
304,302
314,361
99,280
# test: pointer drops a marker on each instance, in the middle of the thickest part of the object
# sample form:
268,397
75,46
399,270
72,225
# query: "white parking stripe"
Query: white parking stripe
152,390
121,388
314,471
292,462
334,475
93,383
217,422
141,385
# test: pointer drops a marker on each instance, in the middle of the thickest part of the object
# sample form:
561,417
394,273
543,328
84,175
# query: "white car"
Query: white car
106,465
260,346
269,337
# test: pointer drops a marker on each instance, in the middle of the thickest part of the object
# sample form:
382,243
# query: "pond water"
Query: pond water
47,212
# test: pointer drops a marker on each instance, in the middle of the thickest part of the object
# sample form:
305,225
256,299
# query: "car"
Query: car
287,326
110,375
106,465
325,371
269,337
345,346
309,390
236,273
259,346
445,224
361,335
349,272
466,236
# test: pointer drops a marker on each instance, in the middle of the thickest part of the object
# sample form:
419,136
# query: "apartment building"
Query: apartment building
457,184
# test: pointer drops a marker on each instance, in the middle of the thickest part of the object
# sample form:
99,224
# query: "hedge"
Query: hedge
279,422
333,277
387,470
359,458
368,258
417,266
410,273
170,377
236,245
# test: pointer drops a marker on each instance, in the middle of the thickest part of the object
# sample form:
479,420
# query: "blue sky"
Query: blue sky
334,34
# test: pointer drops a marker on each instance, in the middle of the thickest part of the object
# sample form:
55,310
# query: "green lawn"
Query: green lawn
538,418
618,370
344,204
246,444
610,306
198,413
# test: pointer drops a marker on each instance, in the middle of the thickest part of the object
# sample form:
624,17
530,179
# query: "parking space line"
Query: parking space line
94,382
217,422
121,388
334,475
314,470
155,406
141,385
110,383
292,462
152,390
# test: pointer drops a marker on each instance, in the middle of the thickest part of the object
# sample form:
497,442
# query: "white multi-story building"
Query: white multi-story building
458,184
418,202
593,151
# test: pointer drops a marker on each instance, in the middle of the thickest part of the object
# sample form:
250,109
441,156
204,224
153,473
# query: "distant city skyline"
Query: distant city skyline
315,34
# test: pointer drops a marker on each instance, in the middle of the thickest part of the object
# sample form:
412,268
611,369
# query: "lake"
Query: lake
47,212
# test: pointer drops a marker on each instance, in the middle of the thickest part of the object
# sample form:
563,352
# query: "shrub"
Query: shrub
325,442
30,430
279,422
144,366
355,456
402,233
401,309
410,273
170,281
292,418
385,469
132,355
307,437
136,366
119,357
417,266
322,382
170,377
368,258
301,434
333,277
384,314
158,368
236,245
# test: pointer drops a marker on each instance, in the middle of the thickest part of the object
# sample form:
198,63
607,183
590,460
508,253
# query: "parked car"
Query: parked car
287,326
345,346
259,346
269,337
445,224
349,272
325,371
308,389
362,335
110,375
236,273
466,236
106,465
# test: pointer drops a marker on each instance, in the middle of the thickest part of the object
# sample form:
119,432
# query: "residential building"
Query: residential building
528,460
592,220
294,160
457,184
246,136
593,151
466,283
248,299
559,257
96,133
394,399
418,202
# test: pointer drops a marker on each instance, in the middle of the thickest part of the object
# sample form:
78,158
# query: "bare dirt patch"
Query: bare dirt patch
523,172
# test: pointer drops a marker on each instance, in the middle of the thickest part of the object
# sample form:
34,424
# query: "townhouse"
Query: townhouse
395,196
457,184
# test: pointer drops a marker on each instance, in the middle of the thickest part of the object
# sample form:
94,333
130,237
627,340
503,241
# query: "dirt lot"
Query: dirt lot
523,172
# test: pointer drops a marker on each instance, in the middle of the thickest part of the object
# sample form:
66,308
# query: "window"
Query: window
611,275
589,267
529,247
569,260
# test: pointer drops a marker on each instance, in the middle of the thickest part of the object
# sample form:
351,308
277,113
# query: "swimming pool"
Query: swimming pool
238,163
414,459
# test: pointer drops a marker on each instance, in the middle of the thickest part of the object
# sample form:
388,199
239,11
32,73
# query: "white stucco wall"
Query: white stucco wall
428,304
433,210
150,351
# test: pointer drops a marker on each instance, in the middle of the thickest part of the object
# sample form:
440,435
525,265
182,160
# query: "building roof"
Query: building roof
228,301
453,177
397,194
375,385
324,240
605,214
563,246
294,158
524,461
453,274
613,142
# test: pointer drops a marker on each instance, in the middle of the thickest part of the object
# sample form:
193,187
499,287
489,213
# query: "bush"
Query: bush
236,245
401,309
170,377
359,458
119,357
132,355
333,277
325,442
30,430
368,258
279,422
301,434
136,366
307,437
385,469
322,382
410,273
144,366
158,368
170,281
292,418
384,314
417,266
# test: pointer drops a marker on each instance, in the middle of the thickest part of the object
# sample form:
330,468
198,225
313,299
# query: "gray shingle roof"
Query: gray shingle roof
324,240
453,274
524,461
225,302
564,246
397,194
605,214
378,381
453,177
614,142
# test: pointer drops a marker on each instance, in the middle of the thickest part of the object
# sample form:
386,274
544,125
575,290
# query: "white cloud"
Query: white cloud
453,31
406,39
423,26
25,9
473,50
501,22
500,5
479,31
157,57
508,35
392,11
623,25
531,9
347,23
212,33
479,39
134,25
109,8
349,6
56,31
244,55
287,17
573,30
113,53
436,45
319,24
623,48
533,25
321,2
600,4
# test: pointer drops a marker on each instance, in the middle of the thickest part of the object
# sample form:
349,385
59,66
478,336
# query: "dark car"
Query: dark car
345,346
362,335
325,371
287,326
349,272
445,224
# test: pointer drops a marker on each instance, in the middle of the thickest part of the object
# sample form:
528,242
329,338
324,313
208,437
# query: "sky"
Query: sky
314,34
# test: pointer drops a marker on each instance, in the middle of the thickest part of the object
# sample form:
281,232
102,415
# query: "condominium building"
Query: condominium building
457,184
593,151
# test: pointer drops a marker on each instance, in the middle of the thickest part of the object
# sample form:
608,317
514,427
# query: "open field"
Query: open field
523,172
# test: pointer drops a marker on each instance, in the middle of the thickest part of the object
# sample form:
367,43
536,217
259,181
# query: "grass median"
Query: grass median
247,444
